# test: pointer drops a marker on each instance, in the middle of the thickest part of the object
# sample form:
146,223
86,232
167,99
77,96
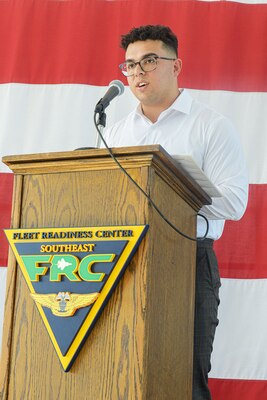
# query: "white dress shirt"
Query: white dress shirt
189,127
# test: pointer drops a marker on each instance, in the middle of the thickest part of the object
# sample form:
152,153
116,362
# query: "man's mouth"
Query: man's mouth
141,84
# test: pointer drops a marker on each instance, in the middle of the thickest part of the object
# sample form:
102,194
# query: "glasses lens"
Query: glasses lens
127,68
148,64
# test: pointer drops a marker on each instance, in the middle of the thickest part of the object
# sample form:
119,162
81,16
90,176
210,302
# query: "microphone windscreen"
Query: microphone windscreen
119,85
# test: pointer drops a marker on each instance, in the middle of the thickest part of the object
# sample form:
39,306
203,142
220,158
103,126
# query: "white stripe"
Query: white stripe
2,299
44,118
240,350
41,118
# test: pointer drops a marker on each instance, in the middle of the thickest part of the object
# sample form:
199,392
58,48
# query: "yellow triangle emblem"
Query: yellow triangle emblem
71,273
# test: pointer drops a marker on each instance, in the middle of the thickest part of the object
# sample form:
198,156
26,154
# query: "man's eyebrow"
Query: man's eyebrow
144,56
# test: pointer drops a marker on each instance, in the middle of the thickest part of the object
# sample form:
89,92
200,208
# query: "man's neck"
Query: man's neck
152,112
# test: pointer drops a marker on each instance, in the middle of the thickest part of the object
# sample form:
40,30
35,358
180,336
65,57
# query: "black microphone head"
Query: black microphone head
119,85
116,88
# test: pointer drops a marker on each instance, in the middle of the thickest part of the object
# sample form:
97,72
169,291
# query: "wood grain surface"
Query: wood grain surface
141,346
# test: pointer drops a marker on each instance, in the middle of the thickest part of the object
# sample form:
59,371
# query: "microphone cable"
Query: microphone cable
146,195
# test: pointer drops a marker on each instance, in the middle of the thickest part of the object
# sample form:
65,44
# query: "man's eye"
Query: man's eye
130,66
149,60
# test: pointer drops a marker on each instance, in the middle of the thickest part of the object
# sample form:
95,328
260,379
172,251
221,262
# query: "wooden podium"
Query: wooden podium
141,346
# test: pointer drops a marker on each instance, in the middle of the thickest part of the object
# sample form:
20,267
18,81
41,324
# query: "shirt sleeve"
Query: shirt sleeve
225,166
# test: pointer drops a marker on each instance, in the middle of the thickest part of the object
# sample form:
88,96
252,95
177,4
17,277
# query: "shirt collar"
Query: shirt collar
182,104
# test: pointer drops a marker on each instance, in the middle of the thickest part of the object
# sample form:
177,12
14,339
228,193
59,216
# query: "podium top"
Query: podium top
95,159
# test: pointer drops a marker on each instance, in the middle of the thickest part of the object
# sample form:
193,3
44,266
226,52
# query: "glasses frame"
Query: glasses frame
121,66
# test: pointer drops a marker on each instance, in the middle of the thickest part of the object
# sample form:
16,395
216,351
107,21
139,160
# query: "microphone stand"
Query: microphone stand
101,123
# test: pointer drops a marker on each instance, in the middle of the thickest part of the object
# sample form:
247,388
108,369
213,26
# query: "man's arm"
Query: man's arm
225,166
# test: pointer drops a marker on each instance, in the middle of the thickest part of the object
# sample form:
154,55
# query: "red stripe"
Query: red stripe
242,249
221,43
6,186
235,389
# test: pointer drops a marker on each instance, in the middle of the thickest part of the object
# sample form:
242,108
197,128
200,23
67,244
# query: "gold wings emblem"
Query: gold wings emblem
64,304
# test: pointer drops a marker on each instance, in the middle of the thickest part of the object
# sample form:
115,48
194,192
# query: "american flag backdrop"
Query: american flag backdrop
57,58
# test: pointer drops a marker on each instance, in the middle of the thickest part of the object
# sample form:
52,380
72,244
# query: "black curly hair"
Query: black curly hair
152,32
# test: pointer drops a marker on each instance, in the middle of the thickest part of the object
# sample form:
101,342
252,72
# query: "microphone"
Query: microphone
116,88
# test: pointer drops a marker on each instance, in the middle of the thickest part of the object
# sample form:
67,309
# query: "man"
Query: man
169,116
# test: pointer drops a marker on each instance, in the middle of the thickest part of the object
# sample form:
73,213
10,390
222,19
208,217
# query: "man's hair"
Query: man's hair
151,32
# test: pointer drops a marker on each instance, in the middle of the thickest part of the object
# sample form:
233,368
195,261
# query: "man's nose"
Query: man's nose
138,70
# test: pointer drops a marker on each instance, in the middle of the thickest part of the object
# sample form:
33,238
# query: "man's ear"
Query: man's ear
177,66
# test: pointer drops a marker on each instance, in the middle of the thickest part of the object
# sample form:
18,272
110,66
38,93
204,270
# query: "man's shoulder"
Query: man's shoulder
204,110
209,122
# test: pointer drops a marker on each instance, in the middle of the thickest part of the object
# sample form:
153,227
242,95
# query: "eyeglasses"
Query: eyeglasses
147,64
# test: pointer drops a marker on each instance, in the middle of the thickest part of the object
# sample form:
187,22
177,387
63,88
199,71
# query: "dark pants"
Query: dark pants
206,309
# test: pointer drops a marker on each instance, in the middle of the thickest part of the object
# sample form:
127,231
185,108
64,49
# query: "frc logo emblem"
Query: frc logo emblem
71,273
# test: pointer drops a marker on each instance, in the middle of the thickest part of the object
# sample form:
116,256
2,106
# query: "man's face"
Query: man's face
158,87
